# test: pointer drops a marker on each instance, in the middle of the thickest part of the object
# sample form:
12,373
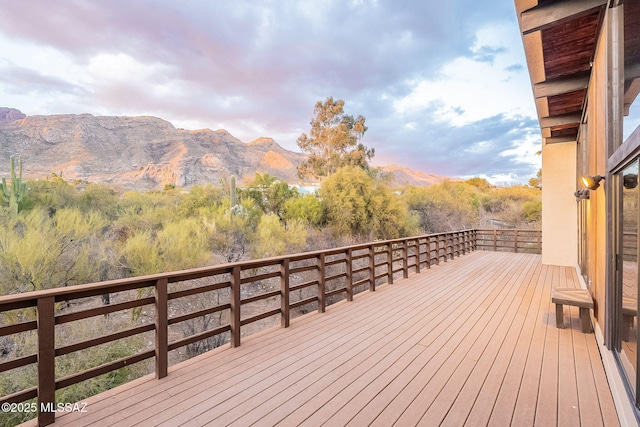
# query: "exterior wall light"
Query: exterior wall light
592,182
581,195
630,181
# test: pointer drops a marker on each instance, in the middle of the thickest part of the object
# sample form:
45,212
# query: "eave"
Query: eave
560,39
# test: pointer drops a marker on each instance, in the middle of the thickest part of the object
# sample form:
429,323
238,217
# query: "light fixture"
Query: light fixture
630,181
581,195
592,182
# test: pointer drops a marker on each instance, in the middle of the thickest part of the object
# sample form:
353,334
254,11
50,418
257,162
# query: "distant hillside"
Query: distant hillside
142,153
405,176
8,115
137,152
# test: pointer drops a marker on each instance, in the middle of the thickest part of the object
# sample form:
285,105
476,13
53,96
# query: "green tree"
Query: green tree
270,194
230,233
333,141
537,181
480,183
274,239
307,209
41,252
532,211
358,205
50,194
513,206
446,206
178,245
99,198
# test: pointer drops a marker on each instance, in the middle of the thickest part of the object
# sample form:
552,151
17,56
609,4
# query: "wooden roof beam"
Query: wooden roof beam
552,88
542,106
567,119
522,5
630,94
631,86
632,72
560,139
543,17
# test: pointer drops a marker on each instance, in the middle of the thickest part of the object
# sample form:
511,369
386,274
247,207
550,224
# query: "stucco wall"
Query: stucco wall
559,208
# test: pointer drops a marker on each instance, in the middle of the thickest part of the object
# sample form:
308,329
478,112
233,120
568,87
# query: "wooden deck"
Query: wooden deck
469,342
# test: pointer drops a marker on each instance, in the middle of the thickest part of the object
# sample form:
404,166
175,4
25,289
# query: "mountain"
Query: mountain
8,115
143,153
137,153
404,176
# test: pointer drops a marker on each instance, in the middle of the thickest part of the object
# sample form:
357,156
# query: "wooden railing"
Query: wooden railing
523,241
287,282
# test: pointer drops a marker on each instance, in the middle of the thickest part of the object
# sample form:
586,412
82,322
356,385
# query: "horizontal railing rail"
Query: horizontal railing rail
506,240
288,283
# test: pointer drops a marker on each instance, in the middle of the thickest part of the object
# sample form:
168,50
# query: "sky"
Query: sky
443,85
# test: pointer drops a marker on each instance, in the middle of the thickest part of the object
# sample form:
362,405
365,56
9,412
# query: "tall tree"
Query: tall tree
333,142
358,205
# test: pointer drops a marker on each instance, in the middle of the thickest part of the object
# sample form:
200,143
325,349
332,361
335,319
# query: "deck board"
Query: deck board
468,342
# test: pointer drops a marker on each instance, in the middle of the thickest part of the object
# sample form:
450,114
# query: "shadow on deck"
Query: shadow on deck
469,342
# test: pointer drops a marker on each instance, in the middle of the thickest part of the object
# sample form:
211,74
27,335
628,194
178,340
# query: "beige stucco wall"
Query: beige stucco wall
559,208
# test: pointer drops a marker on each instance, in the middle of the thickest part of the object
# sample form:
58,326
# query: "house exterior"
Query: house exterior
583,58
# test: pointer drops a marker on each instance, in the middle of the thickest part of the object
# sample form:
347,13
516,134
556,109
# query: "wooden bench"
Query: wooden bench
629,312
576,297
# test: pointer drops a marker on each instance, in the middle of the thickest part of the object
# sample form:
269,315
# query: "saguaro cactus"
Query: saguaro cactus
232,192
13,192
234,208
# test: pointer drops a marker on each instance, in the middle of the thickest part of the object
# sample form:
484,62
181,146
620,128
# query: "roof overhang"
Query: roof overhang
560,39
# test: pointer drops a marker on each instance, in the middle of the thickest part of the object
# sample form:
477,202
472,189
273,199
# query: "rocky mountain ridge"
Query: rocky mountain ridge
142,153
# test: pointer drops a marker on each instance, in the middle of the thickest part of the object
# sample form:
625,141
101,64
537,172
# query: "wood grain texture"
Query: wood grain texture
469,342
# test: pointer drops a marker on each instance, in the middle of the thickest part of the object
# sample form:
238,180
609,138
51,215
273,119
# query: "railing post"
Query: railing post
515,243
349,271
285,318
446,247
405,259
495,240
46,360
454,245
372,269
321,285
455,237
417,255
390,263
162,325
539,241
438,249
236,304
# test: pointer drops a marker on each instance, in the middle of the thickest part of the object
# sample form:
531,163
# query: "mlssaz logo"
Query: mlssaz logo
63,407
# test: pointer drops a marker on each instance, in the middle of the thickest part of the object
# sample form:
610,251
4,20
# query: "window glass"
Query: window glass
629,230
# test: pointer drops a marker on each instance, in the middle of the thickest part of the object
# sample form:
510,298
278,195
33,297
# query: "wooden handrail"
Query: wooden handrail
336,272
509,240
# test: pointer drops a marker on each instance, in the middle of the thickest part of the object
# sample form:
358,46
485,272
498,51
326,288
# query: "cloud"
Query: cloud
24,81
426,74
498,145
